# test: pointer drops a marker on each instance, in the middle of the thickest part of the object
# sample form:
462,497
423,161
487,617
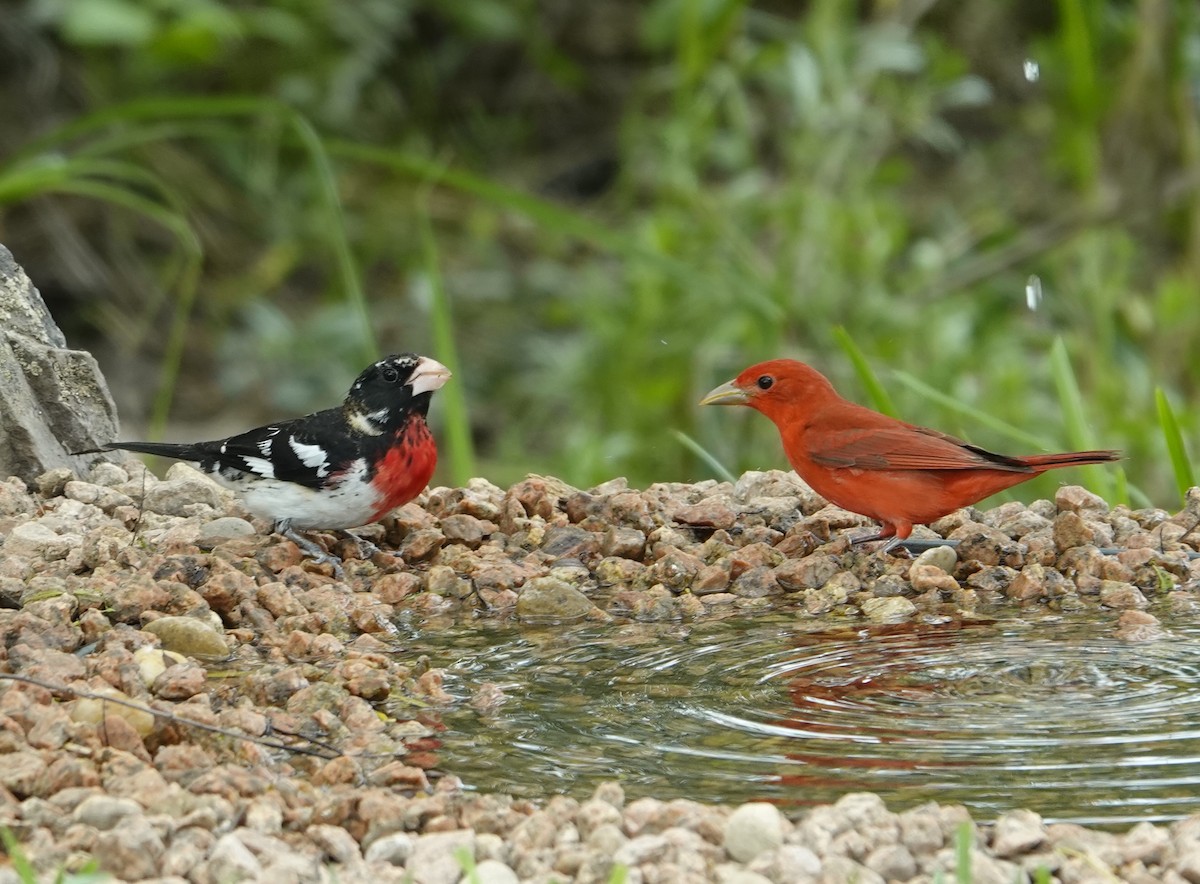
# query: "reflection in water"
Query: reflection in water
1050,714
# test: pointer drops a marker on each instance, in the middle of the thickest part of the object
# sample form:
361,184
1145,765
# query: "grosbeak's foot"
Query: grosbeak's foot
366,548
310,548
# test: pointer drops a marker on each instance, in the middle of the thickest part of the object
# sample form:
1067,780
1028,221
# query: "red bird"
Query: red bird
336,469
866,462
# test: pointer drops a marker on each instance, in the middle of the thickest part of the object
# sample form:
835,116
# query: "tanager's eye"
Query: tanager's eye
390,375
765,382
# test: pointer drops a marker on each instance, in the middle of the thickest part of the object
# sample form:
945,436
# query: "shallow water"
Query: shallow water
1052,714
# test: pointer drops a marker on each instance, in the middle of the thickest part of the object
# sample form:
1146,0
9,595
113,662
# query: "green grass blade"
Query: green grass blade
460,452
1004,428
1185,478
16,855
964,837
122,117
1079,434
466,861
343,256
545,213
705,455
875,390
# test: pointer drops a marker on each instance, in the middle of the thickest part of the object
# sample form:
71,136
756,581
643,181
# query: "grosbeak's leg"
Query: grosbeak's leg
366,549
309,547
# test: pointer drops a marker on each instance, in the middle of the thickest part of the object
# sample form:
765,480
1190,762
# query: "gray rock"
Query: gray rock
1018,831
106,499
1145,843
230,860
53,400
132,851
985,869
894,609
35,540
491,871
264,816
186,851
941,557
728,873
1187,863
335,842
104,812
790,864
222,529
433,859
894,862
548,598
21,771
395,848
842,868
642,849
753,829
189,636
594,813
184,492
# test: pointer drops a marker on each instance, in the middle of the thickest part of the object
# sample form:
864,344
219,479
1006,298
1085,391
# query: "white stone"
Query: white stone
433,859
395,848
491,871
753,829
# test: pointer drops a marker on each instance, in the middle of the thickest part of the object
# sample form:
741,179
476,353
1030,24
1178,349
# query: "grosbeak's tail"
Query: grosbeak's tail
160,449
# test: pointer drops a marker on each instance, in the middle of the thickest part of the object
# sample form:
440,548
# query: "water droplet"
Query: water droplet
1032,70
1033,292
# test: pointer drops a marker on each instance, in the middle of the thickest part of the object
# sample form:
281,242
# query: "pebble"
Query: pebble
104,812
218,531
190,637
943,558
753,829
551,599
895,609
433,859
395,849
491,871
1017,832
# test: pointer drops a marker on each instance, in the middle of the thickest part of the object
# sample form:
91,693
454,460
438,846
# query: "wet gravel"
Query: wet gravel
184,698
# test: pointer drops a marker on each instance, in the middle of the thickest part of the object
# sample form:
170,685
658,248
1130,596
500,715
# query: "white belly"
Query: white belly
349,504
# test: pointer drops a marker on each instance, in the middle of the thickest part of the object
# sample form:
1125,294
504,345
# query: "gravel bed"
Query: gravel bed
184,698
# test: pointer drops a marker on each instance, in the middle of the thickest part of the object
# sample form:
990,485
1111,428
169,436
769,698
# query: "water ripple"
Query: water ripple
1054,714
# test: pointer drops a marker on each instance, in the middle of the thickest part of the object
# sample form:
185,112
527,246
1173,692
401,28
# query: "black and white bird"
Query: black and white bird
336,469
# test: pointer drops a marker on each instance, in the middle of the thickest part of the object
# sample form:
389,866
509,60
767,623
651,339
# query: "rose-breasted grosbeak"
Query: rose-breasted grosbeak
335,469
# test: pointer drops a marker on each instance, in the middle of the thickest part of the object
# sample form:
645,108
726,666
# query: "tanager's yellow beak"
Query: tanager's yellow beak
726,394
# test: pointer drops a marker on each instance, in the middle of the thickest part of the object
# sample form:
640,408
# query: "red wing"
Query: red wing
904,448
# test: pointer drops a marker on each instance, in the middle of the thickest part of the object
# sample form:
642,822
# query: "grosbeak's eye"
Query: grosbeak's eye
391,375
765,381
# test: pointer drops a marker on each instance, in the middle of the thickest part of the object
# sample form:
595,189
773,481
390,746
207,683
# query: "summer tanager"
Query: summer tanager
866,462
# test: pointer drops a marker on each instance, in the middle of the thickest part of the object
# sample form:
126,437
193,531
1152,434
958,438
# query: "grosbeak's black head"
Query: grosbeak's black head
391,389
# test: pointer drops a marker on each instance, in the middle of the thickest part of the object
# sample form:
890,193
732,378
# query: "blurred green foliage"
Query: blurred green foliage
596,212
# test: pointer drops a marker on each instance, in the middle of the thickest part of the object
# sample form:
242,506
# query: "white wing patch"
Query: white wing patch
312,456
260,466
265,446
